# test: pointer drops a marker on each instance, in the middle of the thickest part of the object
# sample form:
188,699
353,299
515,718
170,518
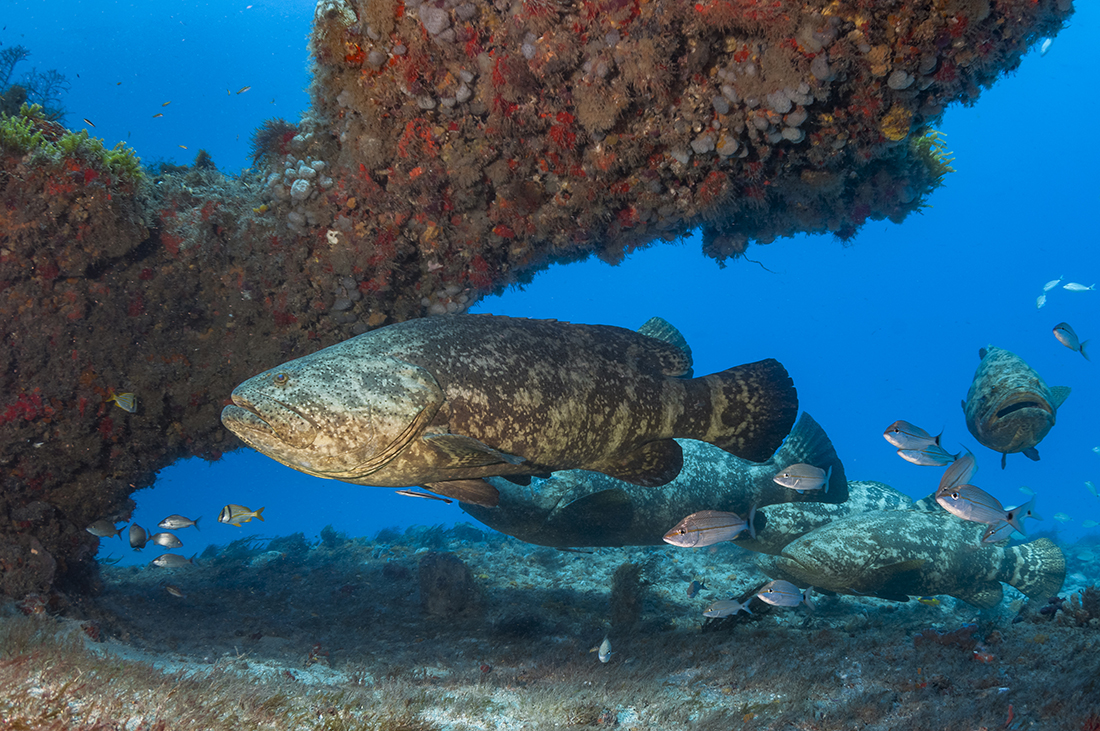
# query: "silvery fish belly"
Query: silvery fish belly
1009,407
901,553
444,401
579,508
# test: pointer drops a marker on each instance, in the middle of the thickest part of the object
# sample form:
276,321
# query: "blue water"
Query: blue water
885,328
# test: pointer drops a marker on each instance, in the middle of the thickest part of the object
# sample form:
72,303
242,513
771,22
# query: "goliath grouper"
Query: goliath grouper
445,401
896,554
578,508
1009,407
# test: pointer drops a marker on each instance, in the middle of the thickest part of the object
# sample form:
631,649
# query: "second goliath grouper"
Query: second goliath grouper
896,554
445,401
1009,407
578,508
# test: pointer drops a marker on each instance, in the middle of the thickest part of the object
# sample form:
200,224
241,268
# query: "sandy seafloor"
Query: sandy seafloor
338,634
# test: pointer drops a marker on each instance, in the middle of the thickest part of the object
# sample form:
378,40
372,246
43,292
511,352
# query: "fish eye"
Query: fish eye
280,379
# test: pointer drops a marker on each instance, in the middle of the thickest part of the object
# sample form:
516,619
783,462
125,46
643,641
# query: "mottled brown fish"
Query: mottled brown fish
1009,407
445,401
896,554
574,508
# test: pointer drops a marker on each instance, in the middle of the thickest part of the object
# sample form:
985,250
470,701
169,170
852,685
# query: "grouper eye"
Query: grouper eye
280,379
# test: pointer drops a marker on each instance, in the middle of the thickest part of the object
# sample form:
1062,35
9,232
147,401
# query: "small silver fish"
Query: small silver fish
803,477
904,435
604,650
1075,287
931,456
175,522
975,504
1067,337
1062,517
104,529
237,514
997,532
959,473
172,561
780,593
1040,301
167,540
707,527
1091,488
175,591
726,608
1089,524
244,89
1052,284
1027,490
1096,449
1045,46
138,537
124,401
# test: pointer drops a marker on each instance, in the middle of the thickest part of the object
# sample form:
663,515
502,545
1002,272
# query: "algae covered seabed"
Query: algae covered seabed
462,629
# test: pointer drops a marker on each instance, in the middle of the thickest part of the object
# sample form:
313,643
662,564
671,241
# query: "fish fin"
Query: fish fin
1083,350
807,444
1058,396
259,515
982,352
596,514
752,409
660,329
1004,459
521,480
927,504
1038,568
1032,453
893,581
463,451
475,492
983,596
651,465
195,522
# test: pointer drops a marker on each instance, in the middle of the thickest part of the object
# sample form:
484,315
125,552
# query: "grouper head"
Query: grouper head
332,414
1009,407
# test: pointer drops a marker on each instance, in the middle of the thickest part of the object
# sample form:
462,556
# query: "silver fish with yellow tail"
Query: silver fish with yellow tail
1009,407
446,401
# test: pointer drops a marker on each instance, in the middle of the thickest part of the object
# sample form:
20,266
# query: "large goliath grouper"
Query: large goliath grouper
576,508
895,554
1009,407
445,401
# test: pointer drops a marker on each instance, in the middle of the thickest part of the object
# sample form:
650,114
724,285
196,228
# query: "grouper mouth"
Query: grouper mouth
290,427
1020,402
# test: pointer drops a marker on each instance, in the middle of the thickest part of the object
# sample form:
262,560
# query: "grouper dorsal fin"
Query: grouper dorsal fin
1058,396
660,329
462,451
651,465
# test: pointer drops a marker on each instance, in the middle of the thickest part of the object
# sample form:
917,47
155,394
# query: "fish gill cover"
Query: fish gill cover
451,149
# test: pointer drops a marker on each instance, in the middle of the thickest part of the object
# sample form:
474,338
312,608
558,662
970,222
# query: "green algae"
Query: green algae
30,132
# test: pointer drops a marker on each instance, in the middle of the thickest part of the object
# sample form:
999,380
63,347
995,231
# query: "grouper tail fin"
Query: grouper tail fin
1038,569
807,444
752,408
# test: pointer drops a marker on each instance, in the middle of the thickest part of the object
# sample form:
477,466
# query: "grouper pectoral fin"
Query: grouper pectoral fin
982,596
894,581
1058,396
1032,453
651,465
462,451
475,492
596,514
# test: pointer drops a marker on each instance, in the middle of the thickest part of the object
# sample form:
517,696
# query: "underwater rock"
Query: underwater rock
447,587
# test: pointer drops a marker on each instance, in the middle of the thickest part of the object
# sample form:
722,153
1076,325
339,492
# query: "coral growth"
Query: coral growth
41,88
